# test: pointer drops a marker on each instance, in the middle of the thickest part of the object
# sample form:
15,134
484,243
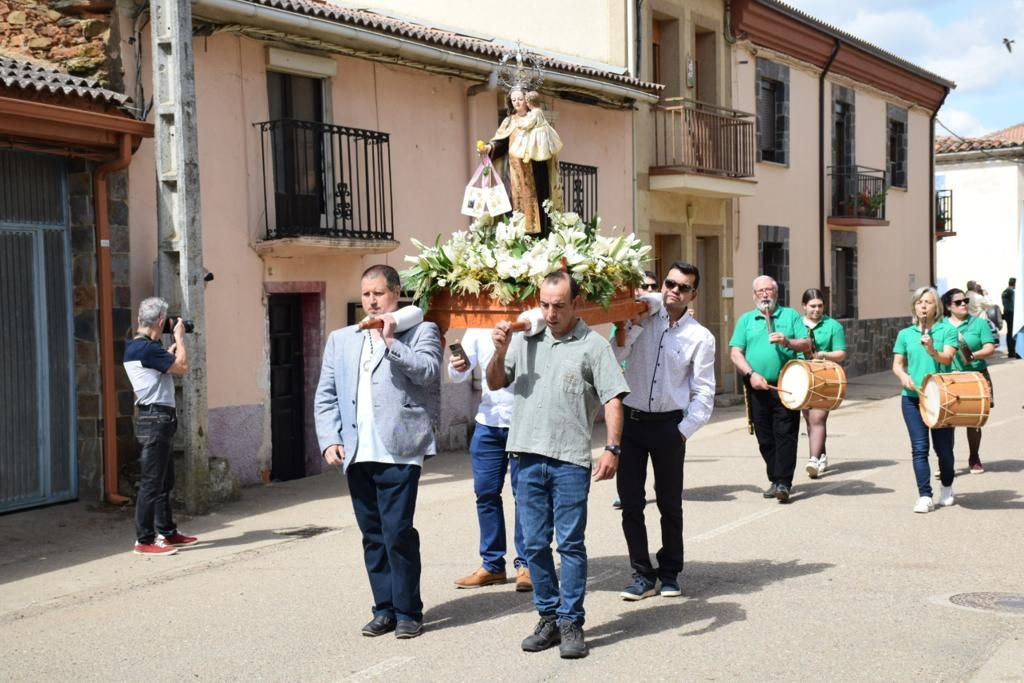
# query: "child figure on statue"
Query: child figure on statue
537,140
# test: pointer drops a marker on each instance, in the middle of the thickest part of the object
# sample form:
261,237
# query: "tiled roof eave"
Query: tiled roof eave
482,55
34,77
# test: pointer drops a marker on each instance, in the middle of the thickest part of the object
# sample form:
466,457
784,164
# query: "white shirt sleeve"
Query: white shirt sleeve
702,387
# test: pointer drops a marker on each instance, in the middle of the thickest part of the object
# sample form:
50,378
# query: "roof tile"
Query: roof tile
25,75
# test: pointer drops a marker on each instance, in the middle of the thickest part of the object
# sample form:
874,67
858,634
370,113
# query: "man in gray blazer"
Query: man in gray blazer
376,414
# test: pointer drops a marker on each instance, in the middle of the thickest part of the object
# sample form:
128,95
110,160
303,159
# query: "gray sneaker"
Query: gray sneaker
545,635
573,646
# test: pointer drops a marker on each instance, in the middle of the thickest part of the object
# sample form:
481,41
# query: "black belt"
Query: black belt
641,416
157,408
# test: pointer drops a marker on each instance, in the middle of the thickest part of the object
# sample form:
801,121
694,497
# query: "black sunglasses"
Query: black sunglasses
959,302
649,286
678,286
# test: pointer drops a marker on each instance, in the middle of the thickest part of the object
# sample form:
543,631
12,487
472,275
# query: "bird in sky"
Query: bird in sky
1009,44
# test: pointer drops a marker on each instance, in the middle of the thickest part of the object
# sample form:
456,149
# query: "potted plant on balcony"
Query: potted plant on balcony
494,269
872,203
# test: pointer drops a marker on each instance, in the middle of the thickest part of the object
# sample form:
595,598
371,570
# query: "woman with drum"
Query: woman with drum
926,347
974,343
828,342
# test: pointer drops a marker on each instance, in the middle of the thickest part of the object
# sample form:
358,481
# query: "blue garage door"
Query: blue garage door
37,383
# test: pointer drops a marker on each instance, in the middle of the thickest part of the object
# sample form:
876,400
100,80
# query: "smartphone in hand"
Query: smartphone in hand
457,350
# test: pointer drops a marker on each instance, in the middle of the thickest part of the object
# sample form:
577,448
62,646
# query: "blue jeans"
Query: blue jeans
490,463
384,500
552,497
942,441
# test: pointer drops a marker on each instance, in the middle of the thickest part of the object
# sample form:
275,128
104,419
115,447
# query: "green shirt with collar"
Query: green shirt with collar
919,363
976,333
828,335
558,385
751,335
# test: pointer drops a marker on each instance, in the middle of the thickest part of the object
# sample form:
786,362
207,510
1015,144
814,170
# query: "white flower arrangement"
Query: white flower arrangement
498,258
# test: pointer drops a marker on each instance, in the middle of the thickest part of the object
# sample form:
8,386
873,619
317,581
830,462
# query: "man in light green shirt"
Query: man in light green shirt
765,339
559,379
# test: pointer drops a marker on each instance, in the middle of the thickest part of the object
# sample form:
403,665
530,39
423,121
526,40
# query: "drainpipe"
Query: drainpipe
106,293
931,191
821,164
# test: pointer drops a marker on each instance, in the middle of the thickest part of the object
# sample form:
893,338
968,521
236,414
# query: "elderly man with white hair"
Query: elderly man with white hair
765,339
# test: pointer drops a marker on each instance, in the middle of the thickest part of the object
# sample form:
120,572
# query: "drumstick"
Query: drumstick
781,391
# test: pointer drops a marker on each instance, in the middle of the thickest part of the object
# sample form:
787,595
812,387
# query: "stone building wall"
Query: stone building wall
85,297
869,344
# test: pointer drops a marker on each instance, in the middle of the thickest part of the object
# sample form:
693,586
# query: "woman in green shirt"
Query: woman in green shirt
926,347
828,342
975,343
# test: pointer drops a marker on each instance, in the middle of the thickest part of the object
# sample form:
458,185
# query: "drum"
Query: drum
812,384
955,399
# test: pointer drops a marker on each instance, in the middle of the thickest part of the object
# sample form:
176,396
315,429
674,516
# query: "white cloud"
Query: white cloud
963,123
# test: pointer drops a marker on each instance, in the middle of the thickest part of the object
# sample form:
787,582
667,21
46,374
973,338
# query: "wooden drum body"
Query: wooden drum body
955,399
819,384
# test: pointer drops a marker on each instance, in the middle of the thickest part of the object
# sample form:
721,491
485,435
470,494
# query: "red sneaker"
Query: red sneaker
177,539
157,548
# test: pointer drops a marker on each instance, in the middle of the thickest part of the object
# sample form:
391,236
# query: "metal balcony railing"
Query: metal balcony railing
698,137
579,189
326,181
858,192
944,211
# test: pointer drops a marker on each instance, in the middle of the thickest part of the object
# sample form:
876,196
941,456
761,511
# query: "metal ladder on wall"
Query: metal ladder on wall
180,274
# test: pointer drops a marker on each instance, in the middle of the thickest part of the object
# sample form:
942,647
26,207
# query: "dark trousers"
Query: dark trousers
777,429
941,440
155,430
1011,340
661,442
384,500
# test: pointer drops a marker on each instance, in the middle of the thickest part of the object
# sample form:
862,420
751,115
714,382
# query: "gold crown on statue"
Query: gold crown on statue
520,69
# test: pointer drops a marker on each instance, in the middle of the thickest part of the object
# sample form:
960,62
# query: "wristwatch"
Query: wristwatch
614,450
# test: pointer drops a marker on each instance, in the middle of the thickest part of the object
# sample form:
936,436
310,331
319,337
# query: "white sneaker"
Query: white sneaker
822,464
812,468
946,496
924,504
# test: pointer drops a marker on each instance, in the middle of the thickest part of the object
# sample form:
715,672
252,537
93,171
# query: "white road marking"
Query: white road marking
743,521
379,668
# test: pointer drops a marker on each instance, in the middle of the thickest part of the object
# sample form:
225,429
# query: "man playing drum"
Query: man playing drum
764,340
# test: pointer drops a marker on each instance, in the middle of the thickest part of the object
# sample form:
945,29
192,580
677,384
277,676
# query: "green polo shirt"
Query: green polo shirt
751,335
828,335
976,333
919,363
558,385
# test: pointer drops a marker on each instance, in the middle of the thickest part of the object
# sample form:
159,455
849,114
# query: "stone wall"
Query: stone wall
71,35
85,295
869,344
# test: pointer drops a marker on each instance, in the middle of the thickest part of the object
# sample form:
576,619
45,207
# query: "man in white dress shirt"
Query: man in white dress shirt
670,370
490,463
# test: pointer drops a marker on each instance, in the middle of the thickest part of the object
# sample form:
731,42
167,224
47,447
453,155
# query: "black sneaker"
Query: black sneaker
642,588
545,635
408,629
770,491
782,493
379,626
573,645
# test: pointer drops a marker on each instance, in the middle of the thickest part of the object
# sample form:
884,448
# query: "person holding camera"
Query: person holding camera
150,366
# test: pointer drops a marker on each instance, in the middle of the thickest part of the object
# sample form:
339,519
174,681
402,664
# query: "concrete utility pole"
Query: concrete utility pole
180,244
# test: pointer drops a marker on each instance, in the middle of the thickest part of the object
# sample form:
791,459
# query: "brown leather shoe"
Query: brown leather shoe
480,578
523,582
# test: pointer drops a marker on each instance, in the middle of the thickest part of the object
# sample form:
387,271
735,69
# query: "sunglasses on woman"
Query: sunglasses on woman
678,286
649,286
959,302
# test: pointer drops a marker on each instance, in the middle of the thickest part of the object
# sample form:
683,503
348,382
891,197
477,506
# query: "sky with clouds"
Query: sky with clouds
960,40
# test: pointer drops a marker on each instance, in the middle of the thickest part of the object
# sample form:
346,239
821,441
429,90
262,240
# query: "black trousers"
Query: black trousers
661,442
155,428
777,429
1011,341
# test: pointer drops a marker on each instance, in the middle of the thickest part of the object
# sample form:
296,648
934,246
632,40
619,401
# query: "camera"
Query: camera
172,320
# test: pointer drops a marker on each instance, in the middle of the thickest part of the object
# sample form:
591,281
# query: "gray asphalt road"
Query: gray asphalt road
845,583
